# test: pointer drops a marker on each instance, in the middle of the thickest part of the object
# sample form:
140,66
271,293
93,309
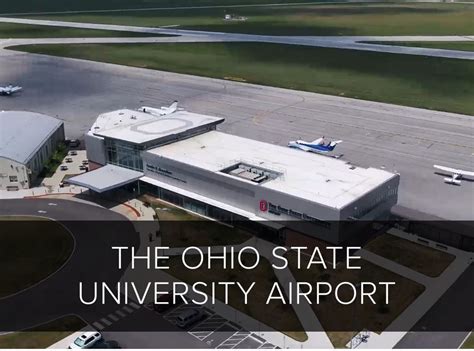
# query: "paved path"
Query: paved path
448,311
339,42
309,321
432,299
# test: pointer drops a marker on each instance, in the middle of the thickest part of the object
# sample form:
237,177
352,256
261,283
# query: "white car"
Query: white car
86,340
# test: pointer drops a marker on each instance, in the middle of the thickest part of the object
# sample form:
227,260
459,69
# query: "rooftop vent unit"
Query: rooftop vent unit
250,172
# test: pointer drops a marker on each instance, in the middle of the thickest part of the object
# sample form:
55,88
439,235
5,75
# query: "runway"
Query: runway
399,139
338,42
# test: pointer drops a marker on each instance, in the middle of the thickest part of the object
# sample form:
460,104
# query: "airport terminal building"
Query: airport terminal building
182,158
27,141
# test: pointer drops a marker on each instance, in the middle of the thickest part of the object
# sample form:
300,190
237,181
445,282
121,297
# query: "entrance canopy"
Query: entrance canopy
106,178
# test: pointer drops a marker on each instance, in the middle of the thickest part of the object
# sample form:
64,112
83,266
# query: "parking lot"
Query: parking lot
216,331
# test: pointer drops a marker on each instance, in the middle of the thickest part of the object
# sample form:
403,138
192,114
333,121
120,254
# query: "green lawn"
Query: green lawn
459,45
14,30
30,250
469,342
180,228
428,82
81,5
420,258
334,19
42,336
335,317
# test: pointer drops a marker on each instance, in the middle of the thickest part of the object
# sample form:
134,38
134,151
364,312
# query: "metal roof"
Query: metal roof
309,176
105,178
22,133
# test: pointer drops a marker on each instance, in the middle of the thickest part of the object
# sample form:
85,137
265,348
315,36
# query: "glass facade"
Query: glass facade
124,154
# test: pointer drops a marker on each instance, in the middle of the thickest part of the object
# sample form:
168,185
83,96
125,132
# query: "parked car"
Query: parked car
109,344
72,153
86,340
166,303
85,162
68,159
63,168
189,317
74,142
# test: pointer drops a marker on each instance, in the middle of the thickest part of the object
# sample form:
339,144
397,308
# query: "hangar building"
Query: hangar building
27,141
183,159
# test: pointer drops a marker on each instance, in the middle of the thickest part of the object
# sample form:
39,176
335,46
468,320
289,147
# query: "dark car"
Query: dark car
166,302
109,344
73,142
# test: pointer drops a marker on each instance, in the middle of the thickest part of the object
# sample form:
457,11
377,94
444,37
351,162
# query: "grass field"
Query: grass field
180,228
460,45
85,5
469,342
334,19
30,250
335,318
13,30
434,83
418,257
42,336
275,314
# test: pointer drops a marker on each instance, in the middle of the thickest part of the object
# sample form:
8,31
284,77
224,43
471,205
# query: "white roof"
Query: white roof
140,127
313,177
23,133
105,178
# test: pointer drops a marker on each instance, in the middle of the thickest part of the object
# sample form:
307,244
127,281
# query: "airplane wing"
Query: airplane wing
318,141
455,171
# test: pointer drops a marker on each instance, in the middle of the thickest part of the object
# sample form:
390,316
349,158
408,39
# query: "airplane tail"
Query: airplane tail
174,106
332,144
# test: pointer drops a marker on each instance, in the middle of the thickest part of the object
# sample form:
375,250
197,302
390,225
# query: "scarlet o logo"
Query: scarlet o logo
263,206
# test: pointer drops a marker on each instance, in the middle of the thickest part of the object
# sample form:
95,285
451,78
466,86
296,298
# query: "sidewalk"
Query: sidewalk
64,343
303,311
434,290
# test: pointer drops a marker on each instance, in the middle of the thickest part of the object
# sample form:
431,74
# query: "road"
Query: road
338,42
399,139
58,294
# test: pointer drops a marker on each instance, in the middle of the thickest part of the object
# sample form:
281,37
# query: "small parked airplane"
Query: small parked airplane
457,174
163,111
317,145
9,89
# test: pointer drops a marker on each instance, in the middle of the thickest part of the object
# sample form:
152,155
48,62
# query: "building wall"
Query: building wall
95,148
13,175
368,207
45,152
268,203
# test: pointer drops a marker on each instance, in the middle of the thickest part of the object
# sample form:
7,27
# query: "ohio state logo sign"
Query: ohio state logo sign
263,206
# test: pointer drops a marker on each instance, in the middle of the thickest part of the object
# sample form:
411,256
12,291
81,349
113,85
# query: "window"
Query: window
13,179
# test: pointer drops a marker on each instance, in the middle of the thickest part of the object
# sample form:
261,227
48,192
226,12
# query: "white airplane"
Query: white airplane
10,89
318,145
163,111
457,174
